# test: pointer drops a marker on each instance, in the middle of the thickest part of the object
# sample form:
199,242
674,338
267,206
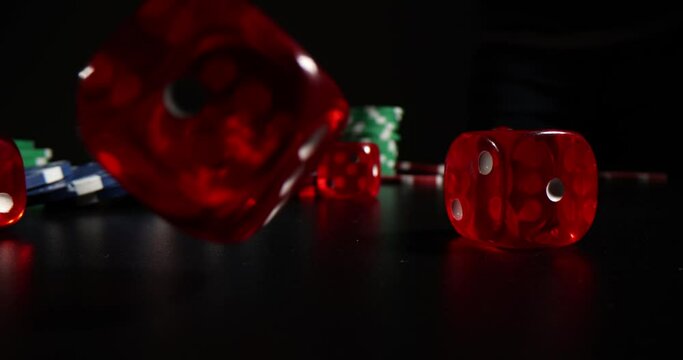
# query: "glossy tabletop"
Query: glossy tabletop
338,279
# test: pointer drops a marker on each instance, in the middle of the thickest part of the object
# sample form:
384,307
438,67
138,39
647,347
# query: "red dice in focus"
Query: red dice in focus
521,189
350,170
208,113
12,183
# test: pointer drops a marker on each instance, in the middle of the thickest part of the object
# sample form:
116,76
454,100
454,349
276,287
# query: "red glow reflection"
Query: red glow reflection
542,300
16,264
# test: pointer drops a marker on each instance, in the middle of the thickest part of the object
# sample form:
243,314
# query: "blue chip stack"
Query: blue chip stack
61,183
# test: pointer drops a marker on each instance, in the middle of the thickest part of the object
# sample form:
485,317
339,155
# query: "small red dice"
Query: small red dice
521,189
350,170
208,113
12,183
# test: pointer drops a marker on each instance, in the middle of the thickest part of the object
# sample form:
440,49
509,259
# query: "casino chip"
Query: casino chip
84,180
408,167
418,174
59,182
431,181
31,155
379,125
25,144
107,194
47,174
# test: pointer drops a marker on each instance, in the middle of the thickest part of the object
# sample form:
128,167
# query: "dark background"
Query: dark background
609,71
380,281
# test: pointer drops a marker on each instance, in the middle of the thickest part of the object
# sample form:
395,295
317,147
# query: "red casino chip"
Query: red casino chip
433,181
409,167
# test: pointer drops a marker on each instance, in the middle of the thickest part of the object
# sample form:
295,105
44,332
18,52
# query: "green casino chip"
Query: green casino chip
32,156
25,144
35,161
376,115
35,153
35,157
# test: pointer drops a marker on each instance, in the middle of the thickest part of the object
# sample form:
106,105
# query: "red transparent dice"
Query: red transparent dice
208,113
12,183
350,170
521,189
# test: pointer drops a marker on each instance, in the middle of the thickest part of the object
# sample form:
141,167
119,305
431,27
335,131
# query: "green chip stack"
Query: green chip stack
379,125
31,155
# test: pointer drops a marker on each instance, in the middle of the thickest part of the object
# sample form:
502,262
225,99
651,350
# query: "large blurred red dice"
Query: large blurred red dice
521,189
12,183
350,170
208,113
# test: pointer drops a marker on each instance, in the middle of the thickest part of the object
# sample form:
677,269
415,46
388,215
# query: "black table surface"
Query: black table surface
338,279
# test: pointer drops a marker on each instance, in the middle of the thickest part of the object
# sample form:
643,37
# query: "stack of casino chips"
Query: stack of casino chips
64,184
31,155
379,125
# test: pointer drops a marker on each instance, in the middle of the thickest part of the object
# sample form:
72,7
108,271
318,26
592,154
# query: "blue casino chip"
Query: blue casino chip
113,192
104,195
83,180
47,174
